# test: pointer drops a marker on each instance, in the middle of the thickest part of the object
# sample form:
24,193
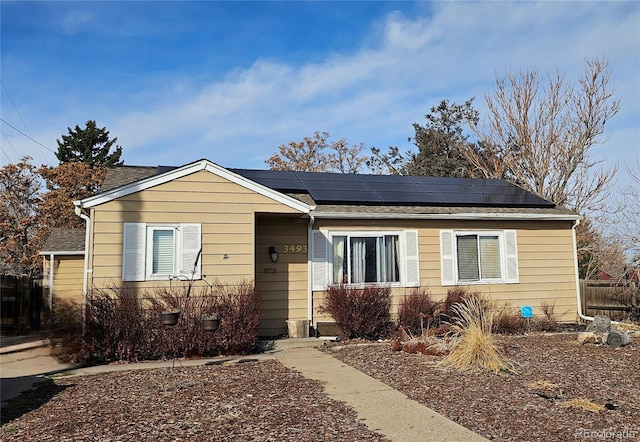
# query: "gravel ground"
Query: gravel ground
528,405
256,401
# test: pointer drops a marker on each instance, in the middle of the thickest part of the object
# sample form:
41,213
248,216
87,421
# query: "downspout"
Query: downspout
310,270
51,269
575,262
85,278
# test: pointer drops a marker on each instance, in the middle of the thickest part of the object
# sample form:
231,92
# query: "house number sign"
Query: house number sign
294,248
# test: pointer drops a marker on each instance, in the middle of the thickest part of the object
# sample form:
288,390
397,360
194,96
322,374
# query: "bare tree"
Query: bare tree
540,135
21,234
317,154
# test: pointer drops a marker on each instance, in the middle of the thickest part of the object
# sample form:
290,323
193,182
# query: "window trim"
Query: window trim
507,241
150,228
321,256
501,256
348,234
137,254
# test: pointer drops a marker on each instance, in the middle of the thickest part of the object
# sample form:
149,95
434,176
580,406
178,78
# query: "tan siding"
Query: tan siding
285,291
225,210
67,277
545,259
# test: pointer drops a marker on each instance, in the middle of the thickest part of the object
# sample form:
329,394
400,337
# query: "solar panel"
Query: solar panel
335,188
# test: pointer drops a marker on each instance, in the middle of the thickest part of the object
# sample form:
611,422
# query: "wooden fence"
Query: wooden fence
616,299
21,302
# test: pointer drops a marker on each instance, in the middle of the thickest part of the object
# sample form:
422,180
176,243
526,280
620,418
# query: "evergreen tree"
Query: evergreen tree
90,145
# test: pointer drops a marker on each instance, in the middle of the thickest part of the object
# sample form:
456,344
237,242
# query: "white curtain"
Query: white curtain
358,260
339,243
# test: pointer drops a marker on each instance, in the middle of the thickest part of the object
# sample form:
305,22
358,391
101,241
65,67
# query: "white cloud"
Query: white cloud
372,95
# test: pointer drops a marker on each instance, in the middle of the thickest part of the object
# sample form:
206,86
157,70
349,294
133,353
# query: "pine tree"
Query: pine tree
90,145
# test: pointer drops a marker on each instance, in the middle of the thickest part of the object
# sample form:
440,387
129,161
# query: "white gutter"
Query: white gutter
450,216
310,270
575,263
85,278
51,263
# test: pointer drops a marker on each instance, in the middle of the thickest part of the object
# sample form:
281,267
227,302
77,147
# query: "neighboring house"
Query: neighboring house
63,264
205,222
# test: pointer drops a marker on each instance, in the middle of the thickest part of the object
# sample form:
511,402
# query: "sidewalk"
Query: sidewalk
381,408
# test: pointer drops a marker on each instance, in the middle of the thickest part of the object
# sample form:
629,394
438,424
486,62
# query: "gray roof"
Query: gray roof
122,175
64,240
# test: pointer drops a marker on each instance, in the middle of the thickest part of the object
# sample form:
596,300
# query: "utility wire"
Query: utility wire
23,122
22,133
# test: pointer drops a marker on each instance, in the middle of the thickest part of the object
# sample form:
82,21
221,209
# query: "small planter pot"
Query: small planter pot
169,318
211,324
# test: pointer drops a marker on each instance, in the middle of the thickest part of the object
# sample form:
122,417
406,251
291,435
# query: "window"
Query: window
161,251
365,258
478,257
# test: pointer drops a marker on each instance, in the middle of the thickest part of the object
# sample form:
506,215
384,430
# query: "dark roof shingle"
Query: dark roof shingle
65,240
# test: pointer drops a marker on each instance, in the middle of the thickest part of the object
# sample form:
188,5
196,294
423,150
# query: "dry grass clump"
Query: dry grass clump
541,385
581,403
475,348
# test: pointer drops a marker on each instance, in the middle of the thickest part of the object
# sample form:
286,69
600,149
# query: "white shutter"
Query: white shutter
133,251
190,251
511,253
411,256
319,260
447,258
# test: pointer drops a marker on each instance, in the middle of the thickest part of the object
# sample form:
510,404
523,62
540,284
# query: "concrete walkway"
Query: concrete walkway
380,407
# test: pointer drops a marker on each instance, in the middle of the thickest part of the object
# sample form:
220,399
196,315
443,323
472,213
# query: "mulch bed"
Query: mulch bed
257,401
264,401
509,407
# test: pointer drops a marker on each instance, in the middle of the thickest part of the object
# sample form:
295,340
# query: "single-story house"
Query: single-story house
296,233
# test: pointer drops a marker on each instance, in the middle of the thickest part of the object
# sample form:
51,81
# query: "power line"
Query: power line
22,133
15,107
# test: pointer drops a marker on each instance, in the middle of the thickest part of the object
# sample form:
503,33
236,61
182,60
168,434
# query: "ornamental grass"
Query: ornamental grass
474,348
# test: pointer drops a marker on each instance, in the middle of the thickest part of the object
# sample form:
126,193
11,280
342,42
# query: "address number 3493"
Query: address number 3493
294,248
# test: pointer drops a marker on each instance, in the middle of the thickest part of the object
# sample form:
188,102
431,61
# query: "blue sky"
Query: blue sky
231,81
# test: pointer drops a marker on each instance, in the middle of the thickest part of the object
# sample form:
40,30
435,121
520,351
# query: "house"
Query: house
63,264
295,233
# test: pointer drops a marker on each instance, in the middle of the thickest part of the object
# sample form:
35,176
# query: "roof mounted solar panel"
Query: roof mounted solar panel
338,197
413,198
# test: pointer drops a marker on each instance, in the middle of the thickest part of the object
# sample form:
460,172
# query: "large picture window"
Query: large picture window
478,257
161,251
365,257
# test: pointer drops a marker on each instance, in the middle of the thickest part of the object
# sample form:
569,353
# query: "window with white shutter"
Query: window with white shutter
478,257
365,258
161,251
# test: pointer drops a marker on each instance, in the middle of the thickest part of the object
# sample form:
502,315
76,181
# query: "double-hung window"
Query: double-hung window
364,257
478,257
161,251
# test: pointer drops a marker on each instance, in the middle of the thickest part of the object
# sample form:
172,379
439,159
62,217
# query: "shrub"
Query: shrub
507,321
123,324
474,348
117,325
360,312
239,310
419,312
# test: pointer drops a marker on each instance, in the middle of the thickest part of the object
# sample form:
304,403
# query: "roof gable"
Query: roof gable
175,173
